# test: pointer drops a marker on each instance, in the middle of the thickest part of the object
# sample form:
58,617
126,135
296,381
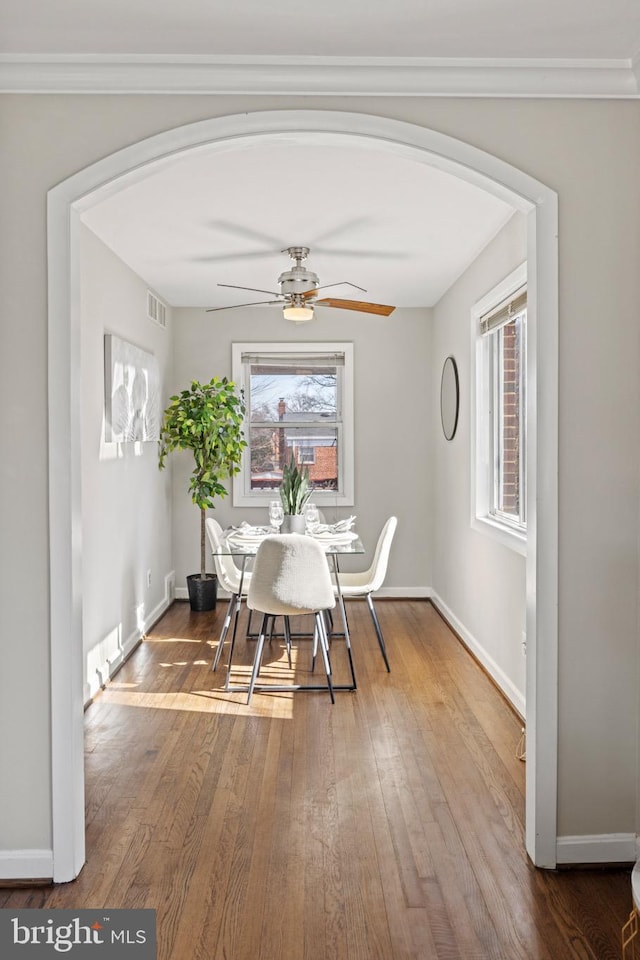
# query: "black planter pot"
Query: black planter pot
203,594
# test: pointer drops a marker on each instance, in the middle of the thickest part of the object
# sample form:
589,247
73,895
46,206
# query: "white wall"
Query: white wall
393,425
588,152
479,583
126,515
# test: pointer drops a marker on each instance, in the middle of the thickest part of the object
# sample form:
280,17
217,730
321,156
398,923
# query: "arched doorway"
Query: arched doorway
68,200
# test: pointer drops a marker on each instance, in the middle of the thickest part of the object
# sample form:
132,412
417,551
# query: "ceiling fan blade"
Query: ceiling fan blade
223,257
246,233
339,283
234,286
232,306
380,309
363,254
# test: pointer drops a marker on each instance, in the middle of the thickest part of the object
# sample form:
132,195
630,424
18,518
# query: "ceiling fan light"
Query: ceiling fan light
297,314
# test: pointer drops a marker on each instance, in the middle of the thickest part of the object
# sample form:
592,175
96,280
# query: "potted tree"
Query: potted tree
295,490
207,420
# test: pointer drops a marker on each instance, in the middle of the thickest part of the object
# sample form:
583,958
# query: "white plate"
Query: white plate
250,533
326,536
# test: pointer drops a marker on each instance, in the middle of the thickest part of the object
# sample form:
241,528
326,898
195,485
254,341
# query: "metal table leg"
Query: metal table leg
347,638
235,625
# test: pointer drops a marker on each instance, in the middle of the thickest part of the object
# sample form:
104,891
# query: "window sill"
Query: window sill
515,540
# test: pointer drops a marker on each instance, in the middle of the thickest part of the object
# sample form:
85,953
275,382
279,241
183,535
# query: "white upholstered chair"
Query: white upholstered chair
291,578
229,577
365,584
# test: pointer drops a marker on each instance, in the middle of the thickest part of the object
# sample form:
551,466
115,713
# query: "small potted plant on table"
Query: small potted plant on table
207,420
295,490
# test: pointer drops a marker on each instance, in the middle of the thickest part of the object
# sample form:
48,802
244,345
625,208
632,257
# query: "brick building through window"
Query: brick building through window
508,423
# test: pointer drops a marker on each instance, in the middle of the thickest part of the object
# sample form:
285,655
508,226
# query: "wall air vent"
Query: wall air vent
156,310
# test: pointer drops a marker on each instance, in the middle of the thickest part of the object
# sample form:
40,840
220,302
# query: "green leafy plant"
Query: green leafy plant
295,488
206,419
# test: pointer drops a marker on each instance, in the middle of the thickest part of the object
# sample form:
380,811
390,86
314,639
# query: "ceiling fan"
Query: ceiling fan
299,289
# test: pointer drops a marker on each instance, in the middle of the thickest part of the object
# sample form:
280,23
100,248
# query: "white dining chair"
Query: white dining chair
291,578
366,583
229,577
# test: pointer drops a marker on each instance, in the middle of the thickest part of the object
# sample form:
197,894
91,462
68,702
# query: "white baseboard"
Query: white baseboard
154,615
26,864
106,669
390,593
404,593
597,848
511,692
183,594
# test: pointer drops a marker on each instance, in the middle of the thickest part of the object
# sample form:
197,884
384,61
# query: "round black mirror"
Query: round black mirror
449,398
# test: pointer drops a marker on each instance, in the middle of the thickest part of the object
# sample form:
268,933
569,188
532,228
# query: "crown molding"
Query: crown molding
319,76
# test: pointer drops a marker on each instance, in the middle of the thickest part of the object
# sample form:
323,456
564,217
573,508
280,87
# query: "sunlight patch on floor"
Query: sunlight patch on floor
148,639
183,663
278,705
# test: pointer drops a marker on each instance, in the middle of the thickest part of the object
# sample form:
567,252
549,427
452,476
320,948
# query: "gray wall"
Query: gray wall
392,397
588,152
126,508
479,583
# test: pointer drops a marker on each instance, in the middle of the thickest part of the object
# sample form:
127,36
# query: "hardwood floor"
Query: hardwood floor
386,827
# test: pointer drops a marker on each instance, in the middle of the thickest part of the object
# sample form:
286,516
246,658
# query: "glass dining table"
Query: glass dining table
242,544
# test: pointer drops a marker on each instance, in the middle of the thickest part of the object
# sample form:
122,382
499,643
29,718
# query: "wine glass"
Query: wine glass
312,518
276,514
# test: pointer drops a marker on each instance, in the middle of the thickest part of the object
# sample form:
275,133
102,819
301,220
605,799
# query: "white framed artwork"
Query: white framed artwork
132,392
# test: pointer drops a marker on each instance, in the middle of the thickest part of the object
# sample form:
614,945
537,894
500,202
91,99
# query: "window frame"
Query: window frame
307,457
496,438
242,494
484,441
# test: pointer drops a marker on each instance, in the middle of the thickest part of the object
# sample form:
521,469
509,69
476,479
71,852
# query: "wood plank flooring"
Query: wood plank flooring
388,826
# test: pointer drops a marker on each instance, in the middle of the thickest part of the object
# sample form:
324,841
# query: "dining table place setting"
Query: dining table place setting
247,532
328,536
339,532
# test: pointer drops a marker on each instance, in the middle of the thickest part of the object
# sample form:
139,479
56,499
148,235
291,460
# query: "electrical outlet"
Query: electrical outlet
524,644
148,579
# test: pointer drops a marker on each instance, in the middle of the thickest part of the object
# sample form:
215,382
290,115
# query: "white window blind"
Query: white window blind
308,364
504,312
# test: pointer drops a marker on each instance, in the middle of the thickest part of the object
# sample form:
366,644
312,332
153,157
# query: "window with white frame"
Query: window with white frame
499,323
299,404
306,453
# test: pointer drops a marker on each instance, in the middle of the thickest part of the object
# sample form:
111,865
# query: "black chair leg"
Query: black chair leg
225,630
321,635
287,638
328,626
258,657
381,644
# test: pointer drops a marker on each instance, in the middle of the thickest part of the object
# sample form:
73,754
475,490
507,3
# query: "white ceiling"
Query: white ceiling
401,229
398,228
352,28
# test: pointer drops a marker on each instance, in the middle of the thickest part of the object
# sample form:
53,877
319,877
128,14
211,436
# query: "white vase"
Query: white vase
293,523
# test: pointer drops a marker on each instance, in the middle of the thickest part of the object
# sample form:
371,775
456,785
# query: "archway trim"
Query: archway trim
94,183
